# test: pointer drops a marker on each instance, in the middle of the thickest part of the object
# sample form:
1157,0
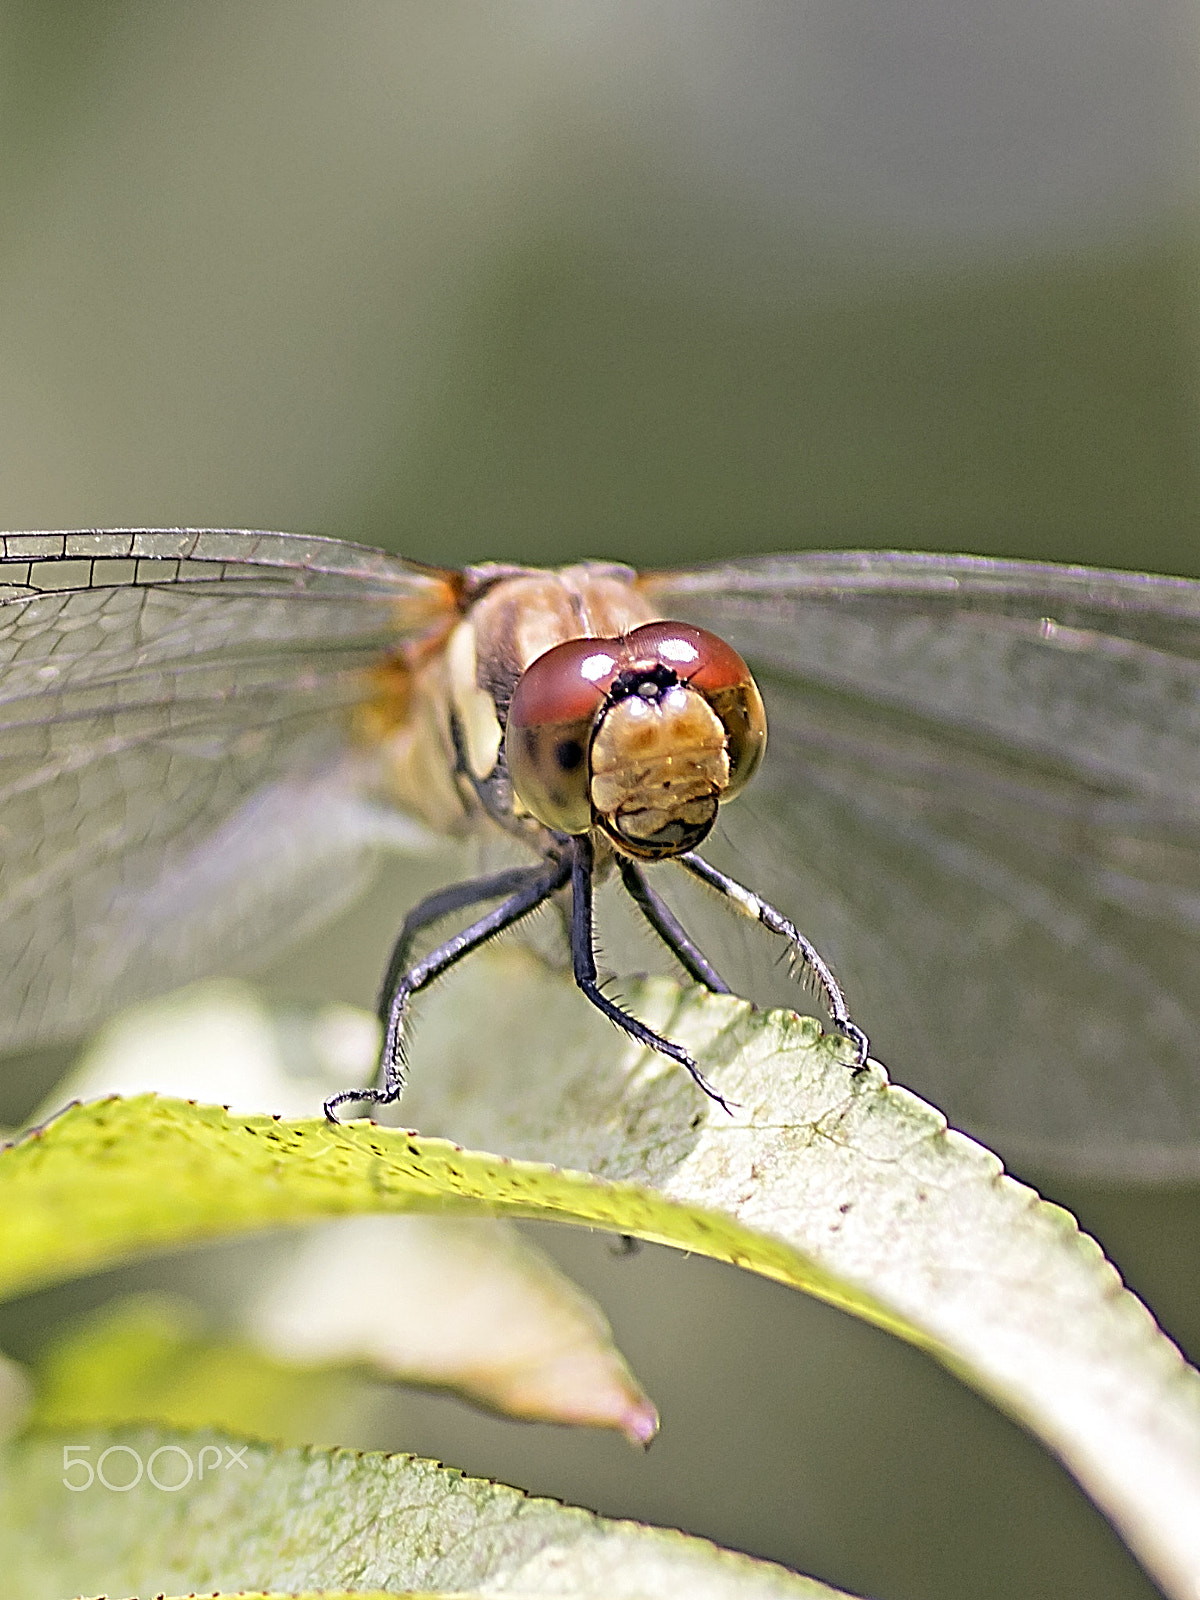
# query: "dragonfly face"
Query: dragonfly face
641,736
980,794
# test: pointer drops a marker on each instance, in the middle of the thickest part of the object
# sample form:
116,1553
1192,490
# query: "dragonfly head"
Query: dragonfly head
642,736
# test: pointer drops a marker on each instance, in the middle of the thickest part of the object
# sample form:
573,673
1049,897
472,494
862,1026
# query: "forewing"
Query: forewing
979,799
178,777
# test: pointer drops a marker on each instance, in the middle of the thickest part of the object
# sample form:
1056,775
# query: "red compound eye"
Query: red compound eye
549,730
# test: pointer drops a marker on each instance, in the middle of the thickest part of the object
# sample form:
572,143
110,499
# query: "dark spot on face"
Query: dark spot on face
568,753
649,682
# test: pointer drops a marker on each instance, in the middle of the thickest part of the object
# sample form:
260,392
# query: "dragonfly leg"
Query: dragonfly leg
583,959
526,889
496,886
494,793
669,929
753,905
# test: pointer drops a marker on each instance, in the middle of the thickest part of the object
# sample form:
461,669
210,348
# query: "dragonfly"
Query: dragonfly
978,794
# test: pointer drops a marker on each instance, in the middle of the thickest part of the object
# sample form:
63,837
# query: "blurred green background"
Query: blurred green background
654,279
661,281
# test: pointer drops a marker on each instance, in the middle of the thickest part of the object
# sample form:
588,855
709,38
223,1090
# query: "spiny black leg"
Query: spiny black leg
539,883
752,905
669,929
498,885
583,959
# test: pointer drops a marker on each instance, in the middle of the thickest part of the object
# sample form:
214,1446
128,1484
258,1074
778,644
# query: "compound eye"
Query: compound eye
707,664
549,730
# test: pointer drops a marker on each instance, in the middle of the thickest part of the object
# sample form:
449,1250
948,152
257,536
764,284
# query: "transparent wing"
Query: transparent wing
178,776
980,799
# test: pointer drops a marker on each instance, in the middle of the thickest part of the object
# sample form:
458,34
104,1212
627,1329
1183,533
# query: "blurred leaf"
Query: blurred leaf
16,1396
149,1358
825,1178
461,1304
466,1306
218,1041
291,1520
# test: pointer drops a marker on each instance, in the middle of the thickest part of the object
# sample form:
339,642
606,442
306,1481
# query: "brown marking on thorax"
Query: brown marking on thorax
521,618
515,619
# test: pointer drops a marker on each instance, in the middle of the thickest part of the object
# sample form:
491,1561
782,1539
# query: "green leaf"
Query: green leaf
273,1519
149,1358
453,1303
116,1178
825,1178
16,1396
464,1305
467,1306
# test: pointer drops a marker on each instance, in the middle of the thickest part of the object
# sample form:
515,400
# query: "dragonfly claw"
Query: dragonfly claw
859,1040
375,1097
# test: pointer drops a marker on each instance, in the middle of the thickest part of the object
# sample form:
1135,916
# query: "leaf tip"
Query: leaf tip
640,1424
